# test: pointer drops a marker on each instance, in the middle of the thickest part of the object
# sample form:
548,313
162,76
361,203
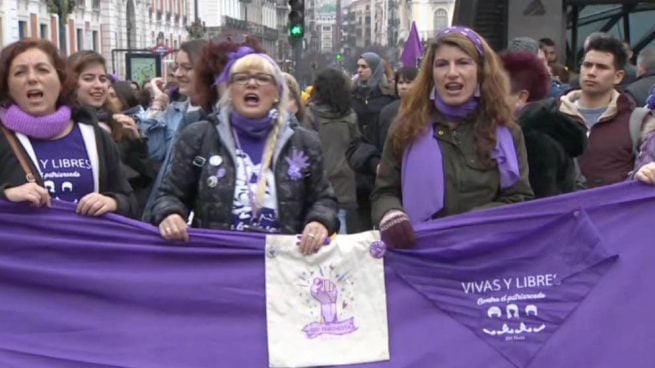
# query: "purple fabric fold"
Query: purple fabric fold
40,127
505,155
423,179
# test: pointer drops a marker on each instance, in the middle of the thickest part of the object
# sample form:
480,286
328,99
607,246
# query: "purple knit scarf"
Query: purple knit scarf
256,128
423,179
40,127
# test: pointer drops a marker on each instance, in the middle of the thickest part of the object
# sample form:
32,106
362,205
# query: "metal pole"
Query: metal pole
297,57
195,8
575,15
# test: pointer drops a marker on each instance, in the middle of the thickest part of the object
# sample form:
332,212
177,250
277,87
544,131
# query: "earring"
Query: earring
276,101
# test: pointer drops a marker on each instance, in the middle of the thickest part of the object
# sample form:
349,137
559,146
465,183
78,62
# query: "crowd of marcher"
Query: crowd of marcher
233,143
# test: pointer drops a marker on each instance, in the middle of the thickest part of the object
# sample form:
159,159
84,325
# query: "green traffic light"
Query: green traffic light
297,31
339,57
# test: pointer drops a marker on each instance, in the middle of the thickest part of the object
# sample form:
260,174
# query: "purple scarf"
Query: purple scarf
255,128
423,181
455,114
40,127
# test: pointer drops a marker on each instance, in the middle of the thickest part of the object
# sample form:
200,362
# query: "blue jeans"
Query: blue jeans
342,214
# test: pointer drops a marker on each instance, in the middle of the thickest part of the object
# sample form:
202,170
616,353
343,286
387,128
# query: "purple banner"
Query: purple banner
86,292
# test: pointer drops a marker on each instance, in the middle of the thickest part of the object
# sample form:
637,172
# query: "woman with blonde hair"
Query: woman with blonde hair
296,106
247,168
455,146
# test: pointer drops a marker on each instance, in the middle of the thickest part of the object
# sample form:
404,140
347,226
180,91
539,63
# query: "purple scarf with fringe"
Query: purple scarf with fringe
423,179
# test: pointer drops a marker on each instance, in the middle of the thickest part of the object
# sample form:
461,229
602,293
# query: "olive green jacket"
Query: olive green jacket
470,185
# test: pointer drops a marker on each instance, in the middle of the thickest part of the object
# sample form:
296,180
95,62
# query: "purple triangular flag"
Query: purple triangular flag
413,51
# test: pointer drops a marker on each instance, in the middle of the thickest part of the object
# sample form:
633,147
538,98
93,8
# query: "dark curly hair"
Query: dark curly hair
331,89
213,59
9,53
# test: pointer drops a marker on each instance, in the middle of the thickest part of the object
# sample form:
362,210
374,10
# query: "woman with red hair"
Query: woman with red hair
552,139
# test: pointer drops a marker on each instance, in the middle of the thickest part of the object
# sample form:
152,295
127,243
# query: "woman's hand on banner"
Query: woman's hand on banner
646,174
313,238
174,228
33,193
397,230
96,204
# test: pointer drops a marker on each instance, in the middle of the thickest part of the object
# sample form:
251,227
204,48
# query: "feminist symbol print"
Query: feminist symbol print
326,293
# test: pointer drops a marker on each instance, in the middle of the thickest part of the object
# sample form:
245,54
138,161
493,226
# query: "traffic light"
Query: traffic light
339,56
297,18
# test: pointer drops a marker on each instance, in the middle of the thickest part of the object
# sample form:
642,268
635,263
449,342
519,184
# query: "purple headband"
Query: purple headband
470,34
245,51
232,57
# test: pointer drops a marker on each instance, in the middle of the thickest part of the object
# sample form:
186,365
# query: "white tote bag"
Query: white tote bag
329,308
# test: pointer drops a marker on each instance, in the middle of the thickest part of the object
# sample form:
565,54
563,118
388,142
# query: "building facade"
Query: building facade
258,18
110,27
325,29
359,20
430,16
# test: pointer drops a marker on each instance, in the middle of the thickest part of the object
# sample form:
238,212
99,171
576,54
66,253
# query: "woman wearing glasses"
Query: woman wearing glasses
247,169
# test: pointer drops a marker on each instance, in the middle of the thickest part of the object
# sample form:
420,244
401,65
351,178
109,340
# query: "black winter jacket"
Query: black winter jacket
185,185
552,141
367,104
112,179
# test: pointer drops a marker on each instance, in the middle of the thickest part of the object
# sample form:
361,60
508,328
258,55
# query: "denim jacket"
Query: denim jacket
162,128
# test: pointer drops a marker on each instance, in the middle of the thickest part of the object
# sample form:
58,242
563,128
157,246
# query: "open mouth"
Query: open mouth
251,99
454,87
34,95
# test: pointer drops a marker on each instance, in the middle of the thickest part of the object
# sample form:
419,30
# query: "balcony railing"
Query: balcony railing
233,23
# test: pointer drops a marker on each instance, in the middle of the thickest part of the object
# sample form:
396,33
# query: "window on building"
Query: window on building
22,29
96,41
80,39
440,19
43,31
